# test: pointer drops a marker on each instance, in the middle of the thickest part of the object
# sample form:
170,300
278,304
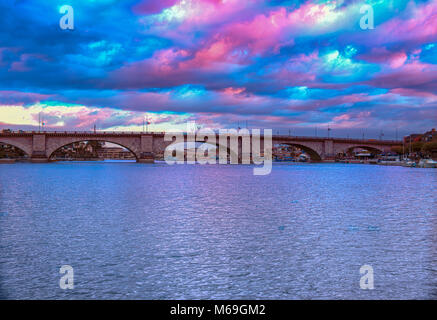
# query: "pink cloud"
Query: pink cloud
239,39
22,65
407,92
269,32
410,75
419,28
151,6
306,105
233,91
383,56
342,117
21,98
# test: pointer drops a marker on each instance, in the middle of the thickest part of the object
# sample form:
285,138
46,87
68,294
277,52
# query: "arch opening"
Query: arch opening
10,151
92,150
191,149
295,152
362,152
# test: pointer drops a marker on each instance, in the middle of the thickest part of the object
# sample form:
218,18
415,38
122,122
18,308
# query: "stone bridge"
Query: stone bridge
40,146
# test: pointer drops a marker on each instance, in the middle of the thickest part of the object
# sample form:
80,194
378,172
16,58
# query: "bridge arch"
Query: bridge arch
314,155
200,145
53,148
372,150
22,147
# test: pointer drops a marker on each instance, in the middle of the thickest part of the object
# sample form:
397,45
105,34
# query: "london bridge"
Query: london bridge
40,146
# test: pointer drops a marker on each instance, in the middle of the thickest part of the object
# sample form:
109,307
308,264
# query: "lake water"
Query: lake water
137,231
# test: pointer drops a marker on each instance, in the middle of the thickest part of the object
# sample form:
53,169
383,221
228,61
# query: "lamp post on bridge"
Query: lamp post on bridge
39,121
146,123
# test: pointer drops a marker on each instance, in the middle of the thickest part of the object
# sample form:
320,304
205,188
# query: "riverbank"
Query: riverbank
423,163
7,161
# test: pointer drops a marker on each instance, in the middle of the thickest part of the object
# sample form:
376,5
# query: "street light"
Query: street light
146,123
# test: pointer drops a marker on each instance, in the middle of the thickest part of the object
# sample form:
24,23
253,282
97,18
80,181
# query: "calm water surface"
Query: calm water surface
135,231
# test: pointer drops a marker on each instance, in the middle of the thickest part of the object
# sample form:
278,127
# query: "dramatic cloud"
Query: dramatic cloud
296,65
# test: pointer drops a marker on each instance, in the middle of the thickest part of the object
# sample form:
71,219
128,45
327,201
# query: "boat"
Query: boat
390,163
427,163
409,163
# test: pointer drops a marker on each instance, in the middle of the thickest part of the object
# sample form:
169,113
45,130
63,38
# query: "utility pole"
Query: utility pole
403,149
94,128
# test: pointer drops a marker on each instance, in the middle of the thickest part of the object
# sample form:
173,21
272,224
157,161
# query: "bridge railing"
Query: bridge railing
334,138
99,132
78,132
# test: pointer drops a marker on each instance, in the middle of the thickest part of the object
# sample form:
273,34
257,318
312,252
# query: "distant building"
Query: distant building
427,139
429,136
414,137
423,137
115,153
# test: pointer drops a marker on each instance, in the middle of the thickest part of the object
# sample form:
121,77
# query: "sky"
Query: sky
297,67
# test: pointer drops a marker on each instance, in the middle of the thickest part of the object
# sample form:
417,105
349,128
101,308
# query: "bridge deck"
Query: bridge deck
107,134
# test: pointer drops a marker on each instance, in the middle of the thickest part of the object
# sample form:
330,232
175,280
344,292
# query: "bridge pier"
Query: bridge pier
328,150
39,154
146,157
39,158
146,147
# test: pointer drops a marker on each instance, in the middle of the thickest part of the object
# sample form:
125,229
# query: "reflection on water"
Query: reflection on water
136,231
